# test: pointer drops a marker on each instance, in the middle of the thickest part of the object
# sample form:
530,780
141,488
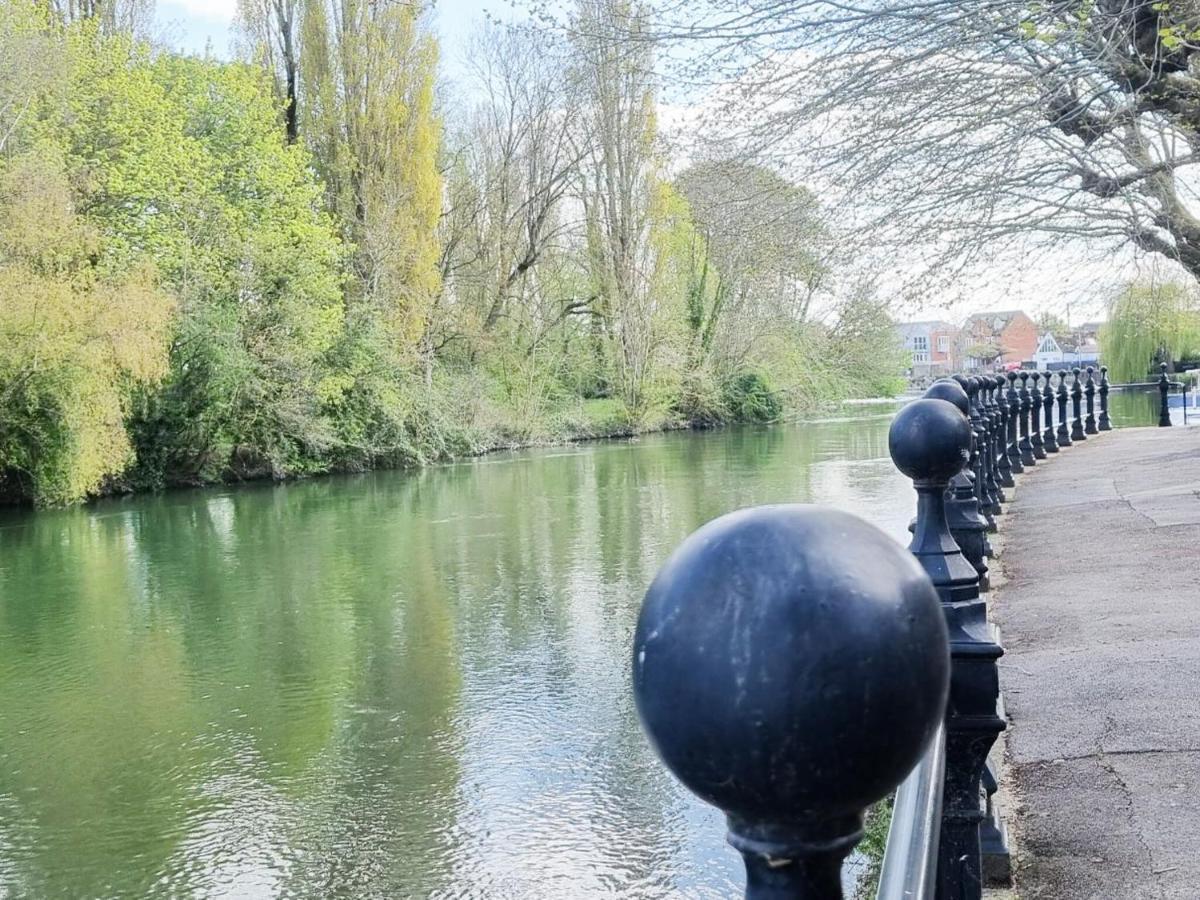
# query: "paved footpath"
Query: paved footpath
1100,614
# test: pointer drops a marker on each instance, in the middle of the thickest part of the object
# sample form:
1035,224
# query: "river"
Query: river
388,685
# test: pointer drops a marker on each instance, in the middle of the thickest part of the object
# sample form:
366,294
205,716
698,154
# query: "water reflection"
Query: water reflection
1135,407
393,685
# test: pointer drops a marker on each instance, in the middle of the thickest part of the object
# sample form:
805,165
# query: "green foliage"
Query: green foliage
194,175
177,167
74,340
188,296
368,74
865,344
873,846
1149,323
749,398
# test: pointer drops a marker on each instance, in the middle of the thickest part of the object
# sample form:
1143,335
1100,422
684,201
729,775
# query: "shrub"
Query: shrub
749,398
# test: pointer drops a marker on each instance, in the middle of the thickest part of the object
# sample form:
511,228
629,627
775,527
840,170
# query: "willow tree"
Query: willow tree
1150,322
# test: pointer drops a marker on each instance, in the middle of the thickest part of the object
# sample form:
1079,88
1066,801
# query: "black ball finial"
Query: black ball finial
790,665
930,440
951,391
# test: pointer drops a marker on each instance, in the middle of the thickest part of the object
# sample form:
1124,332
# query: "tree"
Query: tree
865,345
368,73
510,170
968,130
766,235
180,163
766,249
31,65
1150,322
273,28
619,180
112,16
74,343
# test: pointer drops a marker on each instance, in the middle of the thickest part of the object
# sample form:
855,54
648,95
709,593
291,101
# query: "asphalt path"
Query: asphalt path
1100,612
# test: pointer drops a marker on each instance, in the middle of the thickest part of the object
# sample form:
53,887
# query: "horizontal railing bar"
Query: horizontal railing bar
909,870
1129,384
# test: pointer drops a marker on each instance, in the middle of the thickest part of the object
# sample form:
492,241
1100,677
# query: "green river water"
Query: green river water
389,685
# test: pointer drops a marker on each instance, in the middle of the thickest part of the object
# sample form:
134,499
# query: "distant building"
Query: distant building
1085,352
931,345
997,340
1079,350
1049,353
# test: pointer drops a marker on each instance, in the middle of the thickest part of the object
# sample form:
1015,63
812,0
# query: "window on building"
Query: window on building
943,343
921,343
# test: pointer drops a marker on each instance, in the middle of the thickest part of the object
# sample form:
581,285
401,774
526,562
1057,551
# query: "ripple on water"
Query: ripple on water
382,686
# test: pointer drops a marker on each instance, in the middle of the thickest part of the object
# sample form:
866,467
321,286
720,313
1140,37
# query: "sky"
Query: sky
196,26
1078,289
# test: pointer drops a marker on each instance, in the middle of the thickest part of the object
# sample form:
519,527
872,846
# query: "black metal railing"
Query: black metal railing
793,666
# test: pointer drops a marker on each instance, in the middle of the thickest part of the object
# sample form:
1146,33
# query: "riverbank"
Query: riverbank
596,420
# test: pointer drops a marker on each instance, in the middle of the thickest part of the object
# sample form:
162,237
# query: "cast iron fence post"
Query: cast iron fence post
1003,464
1035,417
996,440
1027,459
1105,421
1014,426
1077,407
1048,439
1164,388
967,525
1064,431
929,440
1090,390
790,666
970,384
987,459
993,836
979,461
